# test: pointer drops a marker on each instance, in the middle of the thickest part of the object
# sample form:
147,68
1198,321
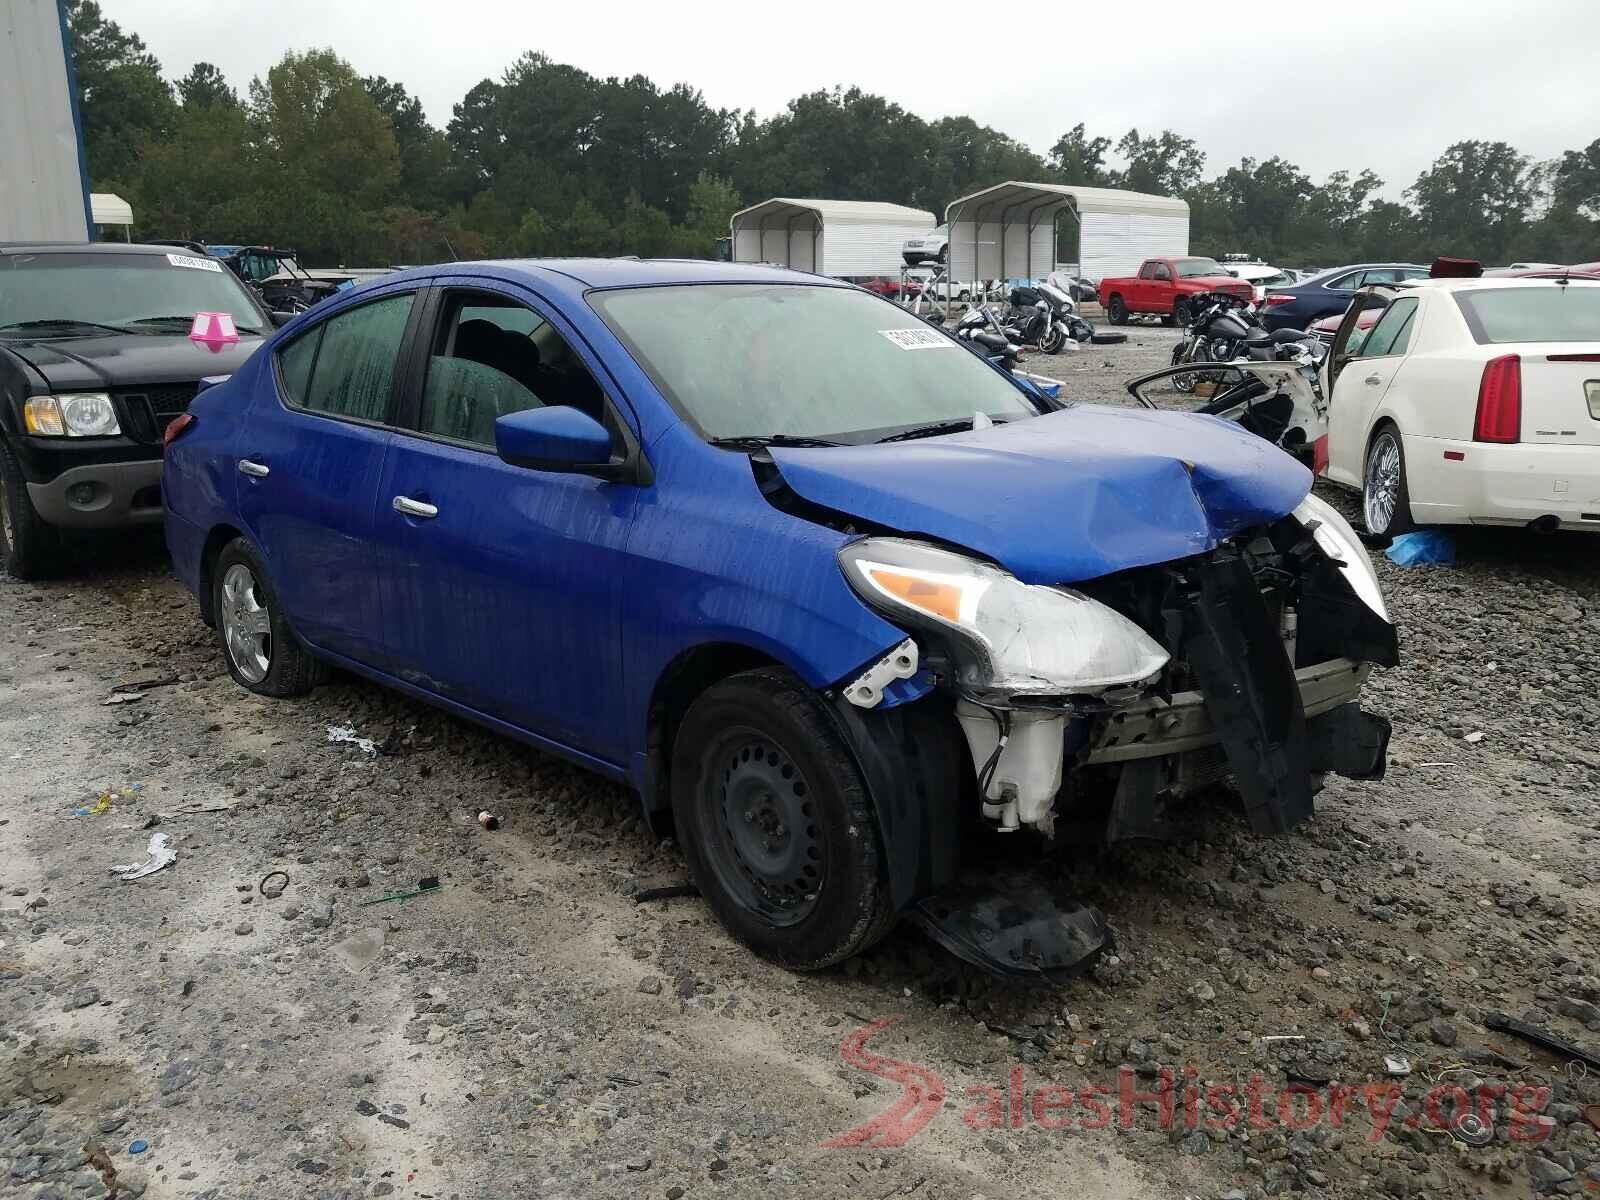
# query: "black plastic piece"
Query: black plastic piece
910,756
1349,742
1541,1037
1251,693
1013,925
1334,623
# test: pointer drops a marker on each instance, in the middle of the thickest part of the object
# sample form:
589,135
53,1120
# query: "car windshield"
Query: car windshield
1553,313
62,295
758,360
1195,268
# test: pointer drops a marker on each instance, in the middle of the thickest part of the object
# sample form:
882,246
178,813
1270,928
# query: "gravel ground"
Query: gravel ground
527,1029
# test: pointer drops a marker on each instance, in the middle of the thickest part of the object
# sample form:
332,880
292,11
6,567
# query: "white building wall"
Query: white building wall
1115,244
867,247
42,182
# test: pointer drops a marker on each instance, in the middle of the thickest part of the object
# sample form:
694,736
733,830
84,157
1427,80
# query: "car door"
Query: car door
309,462
1362,382
502,583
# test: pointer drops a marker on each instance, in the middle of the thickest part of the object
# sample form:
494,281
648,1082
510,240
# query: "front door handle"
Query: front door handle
1374,380
414,508
254,469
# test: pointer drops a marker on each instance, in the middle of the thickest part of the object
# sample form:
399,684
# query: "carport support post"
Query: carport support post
950,257
788,244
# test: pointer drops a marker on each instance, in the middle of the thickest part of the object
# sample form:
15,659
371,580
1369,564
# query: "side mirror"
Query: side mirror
558,438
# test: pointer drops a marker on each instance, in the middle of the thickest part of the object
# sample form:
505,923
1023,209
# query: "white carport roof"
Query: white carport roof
992,203
110,209
784,208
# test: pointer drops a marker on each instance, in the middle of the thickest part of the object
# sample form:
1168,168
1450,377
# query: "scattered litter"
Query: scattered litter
1425,547
161,855
1472,1129
357,952
1283,1037
347,734
94,810
1474,737
138,1147
1542,1037
1397,1065
671,891
1591,1114
145,685
122,698
488,820
1436,764
190,810
103,803
101,1162
424,886
272,890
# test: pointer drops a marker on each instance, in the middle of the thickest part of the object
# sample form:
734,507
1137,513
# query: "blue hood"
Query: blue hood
1064,497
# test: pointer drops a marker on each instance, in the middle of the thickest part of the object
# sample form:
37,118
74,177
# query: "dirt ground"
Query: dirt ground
527,1029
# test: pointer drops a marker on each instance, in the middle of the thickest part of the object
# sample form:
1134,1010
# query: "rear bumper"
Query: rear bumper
101,496
1503,485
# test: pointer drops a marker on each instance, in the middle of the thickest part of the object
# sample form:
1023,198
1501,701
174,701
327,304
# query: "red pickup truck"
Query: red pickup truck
1163,286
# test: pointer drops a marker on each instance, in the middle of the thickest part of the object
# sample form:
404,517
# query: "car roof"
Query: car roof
1366,266
633,272
83,248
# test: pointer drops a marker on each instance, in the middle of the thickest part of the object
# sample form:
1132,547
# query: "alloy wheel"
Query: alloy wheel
246,623
1381,494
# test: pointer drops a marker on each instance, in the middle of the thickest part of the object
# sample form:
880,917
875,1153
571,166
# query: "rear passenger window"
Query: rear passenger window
345,366
1392,334
494,357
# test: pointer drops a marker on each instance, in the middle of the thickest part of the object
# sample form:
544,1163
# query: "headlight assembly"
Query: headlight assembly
1337,540
77,414
1005,635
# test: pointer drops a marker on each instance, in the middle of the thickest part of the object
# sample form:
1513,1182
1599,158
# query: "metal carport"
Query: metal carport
846,238
1008,231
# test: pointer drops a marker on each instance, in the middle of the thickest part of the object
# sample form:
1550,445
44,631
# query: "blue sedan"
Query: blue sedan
1328,294
835,596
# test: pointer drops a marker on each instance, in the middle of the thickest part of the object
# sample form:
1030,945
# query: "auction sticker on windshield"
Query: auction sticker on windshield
193,263
917,339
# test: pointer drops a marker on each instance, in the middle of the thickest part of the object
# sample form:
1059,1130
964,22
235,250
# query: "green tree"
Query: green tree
1163,164
712,201
1266,202
205,86
1078,158
1474,200
423,150
123,100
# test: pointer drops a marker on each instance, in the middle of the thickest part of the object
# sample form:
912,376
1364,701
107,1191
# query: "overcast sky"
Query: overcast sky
1385,84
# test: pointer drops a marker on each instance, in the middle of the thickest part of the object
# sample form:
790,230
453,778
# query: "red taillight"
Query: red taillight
176,428
1500,401
1271,299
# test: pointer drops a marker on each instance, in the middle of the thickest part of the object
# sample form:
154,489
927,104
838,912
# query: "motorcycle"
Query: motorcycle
982,333
1224,328
1046,317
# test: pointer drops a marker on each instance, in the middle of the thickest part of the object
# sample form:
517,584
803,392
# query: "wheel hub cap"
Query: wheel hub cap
246,623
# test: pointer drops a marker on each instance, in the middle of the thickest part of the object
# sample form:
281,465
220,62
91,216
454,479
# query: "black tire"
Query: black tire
964,296
1116,310
29,548
1180,313
290,670
1108,339
1052,341
944,253
763,739
1381,473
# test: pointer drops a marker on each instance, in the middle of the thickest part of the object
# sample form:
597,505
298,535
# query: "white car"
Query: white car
1468,402
930,247
1260,277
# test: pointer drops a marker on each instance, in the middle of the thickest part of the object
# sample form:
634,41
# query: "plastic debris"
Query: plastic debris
269,885
110,796
358,951
671,891
488,820
138,1147
424,886
161,855
347,734
1397,1065
1472,1129
1425,547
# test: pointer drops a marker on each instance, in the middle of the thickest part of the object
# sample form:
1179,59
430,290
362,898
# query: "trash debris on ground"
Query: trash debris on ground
269,885
424,886
1472,1129
100,1161
107,798
161,855
1397,1065
1559,1046
145,685
191,810
1424,547
357,952
138,1147
488,820
347,734
1591,1114
671,891
122,698
397,742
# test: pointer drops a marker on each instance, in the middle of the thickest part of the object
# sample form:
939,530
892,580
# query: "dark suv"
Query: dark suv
95,359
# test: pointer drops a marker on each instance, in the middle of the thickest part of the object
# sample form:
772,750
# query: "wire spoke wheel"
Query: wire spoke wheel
763,841
1381,495
246,623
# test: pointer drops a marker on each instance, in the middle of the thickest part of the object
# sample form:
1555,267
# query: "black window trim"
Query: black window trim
417,290
631,462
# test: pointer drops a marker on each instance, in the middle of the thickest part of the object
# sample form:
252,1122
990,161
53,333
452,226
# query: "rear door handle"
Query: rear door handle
254,469
1374,380
414,508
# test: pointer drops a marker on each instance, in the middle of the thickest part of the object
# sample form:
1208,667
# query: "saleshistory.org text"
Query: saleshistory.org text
1174,1100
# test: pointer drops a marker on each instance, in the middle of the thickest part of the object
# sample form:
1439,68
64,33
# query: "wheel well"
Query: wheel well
215,541
1378,427
684,679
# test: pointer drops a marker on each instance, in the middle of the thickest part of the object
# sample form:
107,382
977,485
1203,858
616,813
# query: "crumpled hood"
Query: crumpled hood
125,359
1065,497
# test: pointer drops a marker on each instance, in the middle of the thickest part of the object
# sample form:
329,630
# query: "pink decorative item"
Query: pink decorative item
213,330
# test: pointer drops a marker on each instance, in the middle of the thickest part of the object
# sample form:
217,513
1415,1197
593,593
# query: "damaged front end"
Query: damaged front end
1145,685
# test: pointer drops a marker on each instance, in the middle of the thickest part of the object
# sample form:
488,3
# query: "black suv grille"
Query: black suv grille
145,411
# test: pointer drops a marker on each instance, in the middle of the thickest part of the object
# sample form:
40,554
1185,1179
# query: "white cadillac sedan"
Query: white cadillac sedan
1470,401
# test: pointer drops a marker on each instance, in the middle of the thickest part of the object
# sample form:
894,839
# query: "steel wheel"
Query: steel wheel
763,843
1384,503
246,623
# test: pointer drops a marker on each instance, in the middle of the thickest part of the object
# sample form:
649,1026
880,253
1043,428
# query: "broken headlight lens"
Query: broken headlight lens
1338,541
79,414
1006,635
